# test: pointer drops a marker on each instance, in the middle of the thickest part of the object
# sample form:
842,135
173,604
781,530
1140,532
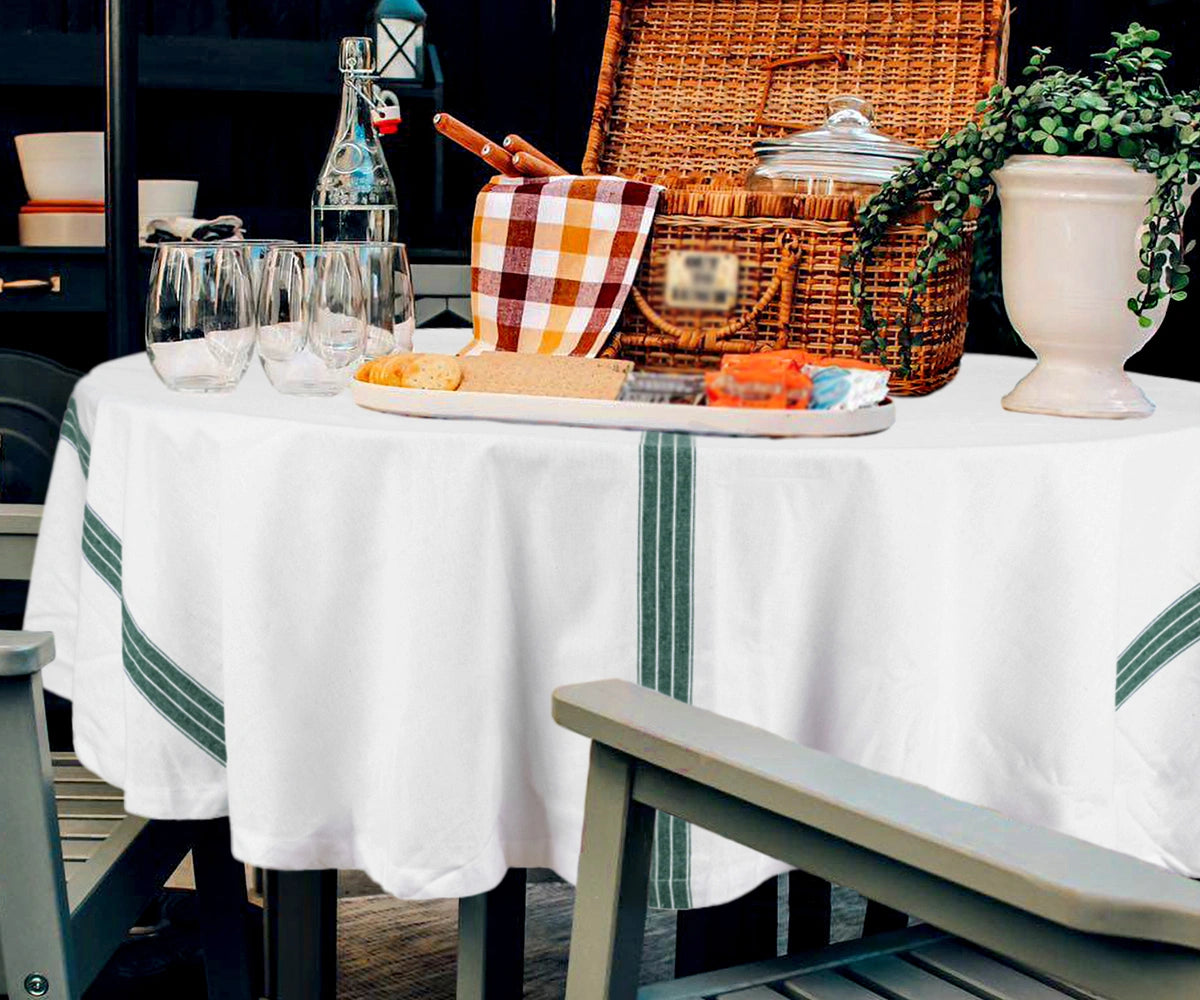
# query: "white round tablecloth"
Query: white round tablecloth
342,627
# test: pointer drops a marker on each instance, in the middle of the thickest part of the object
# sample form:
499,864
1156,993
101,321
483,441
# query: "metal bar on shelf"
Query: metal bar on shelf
120,183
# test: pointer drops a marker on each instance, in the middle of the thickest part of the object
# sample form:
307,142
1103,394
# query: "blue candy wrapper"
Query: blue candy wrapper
837,388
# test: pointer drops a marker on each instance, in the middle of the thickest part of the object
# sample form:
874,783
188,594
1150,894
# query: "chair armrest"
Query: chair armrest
1059,878
24,653
20,518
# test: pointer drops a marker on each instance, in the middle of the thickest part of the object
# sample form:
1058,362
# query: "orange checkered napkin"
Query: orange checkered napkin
553,259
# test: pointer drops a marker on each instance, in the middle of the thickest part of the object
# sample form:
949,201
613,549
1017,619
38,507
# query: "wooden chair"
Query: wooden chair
34,392
1013,911
19,524
76,872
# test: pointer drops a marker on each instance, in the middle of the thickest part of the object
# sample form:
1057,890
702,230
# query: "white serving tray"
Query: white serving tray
634,416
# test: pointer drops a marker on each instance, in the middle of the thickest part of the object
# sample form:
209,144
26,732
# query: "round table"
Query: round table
342,627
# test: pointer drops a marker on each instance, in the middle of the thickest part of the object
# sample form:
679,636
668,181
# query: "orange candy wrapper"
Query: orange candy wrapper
765,388
785,380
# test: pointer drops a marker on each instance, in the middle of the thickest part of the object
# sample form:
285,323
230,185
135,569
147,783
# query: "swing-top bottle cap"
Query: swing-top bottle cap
357,57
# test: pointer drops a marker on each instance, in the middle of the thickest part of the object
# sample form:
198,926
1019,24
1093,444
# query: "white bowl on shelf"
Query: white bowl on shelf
61,229
165,200
62,166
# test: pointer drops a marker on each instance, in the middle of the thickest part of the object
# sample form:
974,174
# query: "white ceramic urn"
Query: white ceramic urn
1069,256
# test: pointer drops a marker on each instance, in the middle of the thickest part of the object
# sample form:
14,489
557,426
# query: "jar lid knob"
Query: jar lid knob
848,111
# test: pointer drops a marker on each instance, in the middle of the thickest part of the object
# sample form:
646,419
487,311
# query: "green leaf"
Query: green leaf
1145,322
1051,146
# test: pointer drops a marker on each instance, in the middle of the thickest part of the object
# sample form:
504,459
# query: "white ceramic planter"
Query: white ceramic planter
1069,258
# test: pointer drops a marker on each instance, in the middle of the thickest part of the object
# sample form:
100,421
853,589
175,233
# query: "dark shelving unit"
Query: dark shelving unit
294,69
165,62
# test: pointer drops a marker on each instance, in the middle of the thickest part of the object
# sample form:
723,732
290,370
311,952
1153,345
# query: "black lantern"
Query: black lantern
400,40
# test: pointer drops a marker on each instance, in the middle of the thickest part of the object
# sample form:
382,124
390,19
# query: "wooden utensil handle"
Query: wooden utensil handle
458,132
530,165
475,142
515,144
499,159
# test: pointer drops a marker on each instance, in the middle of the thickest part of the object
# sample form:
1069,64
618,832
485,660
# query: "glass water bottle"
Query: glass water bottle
355,198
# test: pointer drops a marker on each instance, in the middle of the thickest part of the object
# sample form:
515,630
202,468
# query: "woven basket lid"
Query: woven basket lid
692,85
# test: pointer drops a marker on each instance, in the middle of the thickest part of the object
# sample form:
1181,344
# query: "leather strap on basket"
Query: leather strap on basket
840,59
781,285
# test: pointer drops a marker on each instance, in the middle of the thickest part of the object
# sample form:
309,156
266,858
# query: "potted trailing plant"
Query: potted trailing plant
1094,173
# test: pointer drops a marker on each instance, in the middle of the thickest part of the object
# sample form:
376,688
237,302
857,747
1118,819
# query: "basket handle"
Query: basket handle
837,57
782,285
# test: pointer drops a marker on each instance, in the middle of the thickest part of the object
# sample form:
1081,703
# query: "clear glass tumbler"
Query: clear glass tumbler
387,287
312,318
200,317
256,252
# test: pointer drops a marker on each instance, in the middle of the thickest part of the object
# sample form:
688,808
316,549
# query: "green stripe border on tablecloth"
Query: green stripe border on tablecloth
1173,631
667,510
179,698
185,703
74,436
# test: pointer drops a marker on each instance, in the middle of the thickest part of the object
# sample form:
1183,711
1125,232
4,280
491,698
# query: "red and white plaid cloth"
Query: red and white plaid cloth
553,259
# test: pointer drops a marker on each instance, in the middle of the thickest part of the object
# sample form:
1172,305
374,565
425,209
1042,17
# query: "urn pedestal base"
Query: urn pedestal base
1069,389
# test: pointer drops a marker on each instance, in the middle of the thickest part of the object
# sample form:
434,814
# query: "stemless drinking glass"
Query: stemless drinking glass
312,318
387,287
256,252
200,320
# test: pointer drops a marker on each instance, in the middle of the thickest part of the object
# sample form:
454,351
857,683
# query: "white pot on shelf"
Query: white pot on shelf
1069,257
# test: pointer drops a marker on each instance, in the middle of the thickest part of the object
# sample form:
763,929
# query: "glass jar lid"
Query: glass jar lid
847,148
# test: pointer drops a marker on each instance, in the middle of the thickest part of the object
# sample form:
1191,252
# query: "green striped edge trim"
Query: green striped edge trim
666,531
102,549
1172,632
180,699
190,708
73,434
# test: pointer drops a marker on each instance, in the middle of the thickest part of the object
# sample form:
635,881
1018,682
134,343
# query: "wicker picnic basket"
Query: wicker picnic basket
686,88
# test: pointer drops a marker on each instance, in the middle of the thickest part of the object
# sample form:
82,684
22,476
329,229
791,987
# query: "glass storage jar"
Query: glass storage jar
847,156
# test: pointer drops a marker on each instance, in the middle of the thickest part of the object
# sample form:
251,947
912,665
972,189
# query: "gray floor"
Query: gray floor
388,947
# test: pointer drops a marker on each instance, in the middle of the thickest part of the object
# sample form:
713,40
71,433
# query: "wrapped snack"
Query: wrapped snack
767,388
766,361
663,387
846,384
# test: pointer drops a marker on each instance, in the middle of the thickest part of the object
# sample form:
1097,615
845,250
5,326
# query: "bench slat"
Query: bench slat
899,980
827,986
979,972
86,788
77,849
67,771
92,828
90,809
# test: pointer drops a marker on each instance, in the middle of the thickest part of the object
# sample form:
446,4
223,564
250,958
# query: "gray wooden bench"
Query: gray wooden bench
76,871
19,524
1013,911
